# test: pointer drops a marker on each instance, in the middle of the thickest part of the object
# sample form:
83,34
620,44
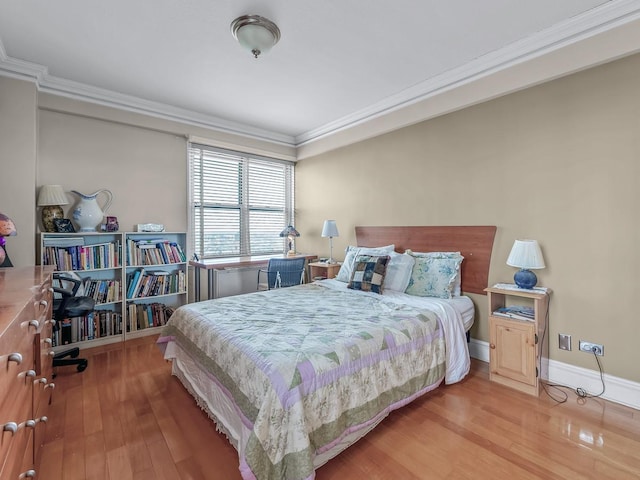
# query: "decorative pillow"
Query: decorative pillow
344,275
368,273
398,272
434,274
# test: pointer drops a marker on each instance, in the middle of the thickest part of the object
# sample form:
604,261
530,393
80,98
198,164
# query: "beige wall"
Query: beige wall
572,144
18,165
146,170
557,163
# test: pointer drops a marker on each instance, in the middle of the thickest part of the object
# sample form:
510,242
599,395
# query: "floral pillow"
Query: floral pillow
368,273
434,274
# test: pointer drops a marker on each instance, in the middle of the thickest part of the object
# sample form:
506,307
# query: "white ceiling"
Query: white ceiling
338,63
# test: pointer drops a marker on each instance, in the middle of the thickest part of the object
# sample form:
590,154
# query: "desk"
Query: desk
212,264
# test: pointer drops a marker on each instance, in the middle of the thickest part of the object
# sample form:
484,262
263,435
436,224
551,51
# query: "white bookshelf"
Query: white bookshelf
160,259
108,260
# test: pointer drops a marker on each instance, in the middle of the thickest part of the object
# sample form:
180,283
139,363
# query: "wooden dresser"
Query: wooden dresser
25,367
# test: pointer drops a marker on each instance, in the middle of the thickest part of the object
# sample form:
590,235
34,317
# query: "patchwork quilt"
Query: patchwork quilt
307,365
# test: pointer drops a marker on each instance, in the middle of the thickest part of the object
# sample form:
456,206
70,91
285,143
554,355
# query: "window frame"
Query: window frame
197,154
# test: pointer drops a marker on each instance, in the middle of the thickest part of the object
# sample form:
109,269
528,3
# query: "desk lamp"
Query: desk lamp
330,229
290,232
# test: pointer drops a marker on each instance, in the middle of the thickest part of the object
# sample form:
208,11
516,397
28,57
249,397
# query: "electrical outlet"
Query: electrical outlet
591,347
564,341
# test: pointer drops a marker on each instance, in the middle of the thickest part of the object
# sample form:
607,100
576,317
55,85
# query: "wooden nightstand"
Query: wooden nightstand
518,348
324,270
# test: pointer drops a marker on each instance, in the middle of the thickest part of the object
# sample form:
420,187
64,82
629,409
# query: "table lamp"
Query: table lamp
51,198
526,255
330,229
7,229
290,232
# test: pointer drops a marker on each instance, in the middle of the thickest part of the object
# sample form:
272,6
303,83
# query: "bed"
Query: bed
294,376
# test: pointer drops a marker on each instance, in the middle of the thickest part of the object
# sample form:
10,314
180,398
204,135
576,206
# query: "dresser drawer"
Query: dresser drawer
17,352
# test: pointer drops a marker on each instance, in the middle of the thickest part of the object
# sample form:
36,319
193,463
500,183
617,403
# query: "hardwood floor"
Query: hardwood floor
126,417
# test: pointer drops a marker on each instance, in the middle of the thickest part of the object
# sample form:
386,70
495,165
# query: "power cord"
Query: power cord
579,391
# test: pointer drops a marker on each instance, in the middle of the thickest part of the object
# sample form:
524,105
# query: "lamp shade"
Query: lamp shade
52,195
526,254
290,231
330,229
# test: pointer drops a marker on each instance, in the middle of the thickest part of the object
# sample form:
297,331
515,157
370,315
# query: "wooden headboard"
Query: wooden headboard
474,243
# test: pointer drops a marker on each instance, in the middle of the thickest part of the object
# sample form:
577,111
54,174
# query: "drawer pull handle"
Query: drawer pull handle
15,357
492,346
48,340
28,474
44,303
50,385
30,423
52,322
42,380
29,373
34,323
52,353
42,419
50,290
10,427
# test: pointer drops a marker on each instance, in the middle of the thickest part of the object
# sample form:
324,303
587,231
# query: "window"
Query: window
240,203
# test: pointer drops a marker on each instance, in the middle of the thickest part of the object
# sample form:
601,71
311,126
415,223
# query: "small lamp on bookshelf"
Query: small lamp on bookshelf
51,199
290,232
526,255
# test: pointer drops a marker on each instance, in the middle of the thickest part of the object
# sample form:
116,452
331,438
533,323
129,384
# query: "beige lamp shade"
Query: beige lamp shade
52,195
526,254
51,199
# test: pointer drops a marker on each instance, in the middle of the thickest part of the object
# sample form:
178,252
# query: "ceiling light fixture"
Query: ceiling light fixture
255,33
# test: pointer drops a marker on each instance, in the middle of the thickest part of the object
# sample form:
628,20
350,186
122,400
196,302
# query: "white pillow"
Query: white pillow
398,272
344,275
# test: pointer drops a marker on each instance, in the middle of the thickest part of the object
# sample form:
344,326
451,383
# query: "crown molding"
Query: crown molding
11,67
88,93
14,68
598,20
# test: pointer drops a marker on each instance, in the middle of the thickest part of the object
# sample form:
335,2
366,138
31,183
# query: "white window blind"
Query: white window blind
240,202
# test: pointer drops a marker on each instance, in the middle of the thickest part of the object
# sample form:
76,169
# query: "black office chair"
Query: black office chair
282,272
69,306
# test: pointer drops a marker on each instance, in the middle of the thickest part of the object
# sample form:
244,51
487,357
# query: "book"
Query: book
513,286
516,311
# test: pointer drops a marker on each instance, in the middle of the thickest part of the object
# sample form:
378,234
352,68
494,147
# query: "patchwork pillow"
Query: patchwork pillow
344,275
398,272
368,273
434,274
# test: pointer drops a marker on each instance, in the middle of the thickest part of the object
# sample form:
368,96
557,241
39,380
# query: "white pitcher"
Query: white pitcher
88,214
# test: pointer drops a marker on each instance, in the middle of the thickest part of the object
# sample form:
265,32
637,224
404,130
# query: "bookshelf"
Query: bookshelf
136,278
95,259
155,279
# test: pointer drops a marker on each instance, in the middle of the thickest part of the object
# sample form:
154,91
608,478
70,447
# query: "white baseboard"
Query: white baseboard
617,389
